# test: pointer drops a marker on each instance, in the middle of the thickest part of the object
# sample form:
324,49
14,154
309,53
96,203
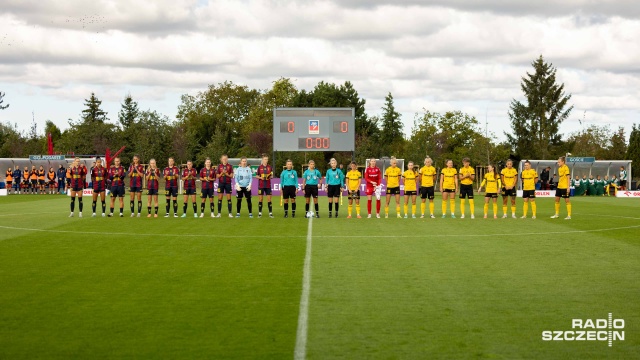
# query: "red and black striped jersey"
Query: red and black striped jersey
171,175
207,177
135,175
78,175
189,177
152,178
225,179
99,178
116,175
264,173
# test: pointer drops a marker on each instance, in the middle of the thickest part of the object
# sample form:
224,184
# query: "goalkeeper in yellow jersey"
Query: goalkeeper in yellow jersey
467,175
529,180
410,176
493,184
354,177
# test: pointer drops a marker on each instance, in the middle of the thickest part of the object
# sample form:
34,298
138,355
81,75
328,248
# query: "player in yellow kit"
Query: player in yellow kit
392,174
529,180
410,176
427,181
354,178
509,177
493,184
562,191
449,186
467,175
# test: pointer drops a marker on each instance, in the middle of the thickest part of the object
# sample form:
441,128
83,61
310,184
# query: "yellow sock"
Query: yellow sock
462,201
398,209
513,209
423,208
471,206
504,210
525,208
349,208
486,208
358,209
452,202
444,207
533,208
431,207
413,209
495,209
557,208
386,209
406,208
569,209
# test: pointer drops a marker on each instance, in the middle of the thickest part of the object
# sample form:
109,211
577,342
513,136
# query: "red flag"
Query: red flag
49,145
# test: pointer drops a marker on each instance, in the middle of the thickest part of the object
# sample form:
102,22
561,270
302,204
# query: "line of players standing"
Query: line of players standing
35,181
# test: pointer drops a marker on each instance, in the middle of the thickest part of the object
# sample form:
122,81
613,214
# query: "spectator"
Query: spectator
585,185
544,177
623,178
553,182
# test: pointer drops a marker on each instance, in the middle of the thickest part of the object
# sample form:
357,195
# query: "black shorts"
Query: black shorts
511,192
623,182
243,193
207,193
224,188
171,192
491,195
311,191
528,194
448,190
289,192
77,188
333,191
34,182
152,191
189,191
427,192
466,191
410,193
135,189
393,191
264,191
562,193
117,191
9,184
40,182
354,195
68,182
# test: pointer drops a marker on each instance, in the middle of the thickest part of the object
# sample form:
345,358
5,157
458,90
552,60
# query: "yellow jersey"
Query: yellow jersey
492,182
393,176
464,171
509,177
353,180
449,175
427,173
410,180
529,179
563,172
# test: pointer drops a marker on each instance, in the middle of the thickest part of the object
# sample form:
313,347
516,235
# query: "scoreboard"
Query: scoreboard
314,129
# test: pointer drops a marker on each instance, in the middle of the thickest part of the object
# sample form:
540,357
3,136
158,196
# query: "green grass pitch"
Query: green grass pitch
379,288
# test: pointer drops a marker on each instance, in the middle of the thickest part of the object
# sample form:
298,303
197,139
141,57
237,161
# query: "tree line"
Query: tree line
238,120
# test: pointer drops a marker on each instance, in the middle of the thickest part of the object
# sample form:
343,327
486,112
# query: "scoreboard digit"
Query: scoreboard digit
314,129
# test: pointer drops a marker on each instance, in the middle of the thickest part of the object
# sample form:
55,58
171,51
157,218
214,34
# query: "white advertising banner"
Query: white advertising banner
628,194
541,193
87,192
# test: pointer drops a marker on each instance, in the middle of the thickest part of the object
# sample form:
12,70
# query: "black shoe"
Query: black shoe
318,215
329,215
293,215
286,215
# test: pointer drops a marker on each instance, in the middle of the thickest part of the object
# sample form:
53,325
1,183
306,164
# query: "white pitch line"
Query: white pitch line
301,335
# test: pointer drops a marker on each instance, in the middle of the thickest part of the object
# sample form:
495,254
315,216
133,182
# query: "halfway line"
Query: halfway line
301,336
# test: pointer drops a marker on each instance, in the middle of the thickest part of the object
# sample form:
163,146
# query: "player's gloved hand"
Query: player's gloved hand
238,187
249,187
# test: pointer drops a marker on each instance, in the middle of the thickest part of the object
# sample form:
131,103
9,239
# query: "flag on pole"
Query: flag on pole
49,144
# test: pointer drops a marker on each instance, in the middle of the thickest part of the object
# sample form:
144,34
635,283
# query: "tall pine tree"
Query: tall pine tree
633,150
128,112
93,113
535,123
391,132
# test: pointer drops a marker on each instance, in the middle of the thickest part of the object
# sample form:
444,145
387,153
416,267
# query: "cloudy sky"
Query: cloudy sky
440,55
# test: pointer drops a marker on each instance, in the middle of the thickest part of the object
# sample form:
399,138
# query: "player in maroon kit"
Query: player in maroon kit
116,176
78,174
136,174
151,178
264,175
224,175
171,175
372,177
189,177
99,176
207,179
